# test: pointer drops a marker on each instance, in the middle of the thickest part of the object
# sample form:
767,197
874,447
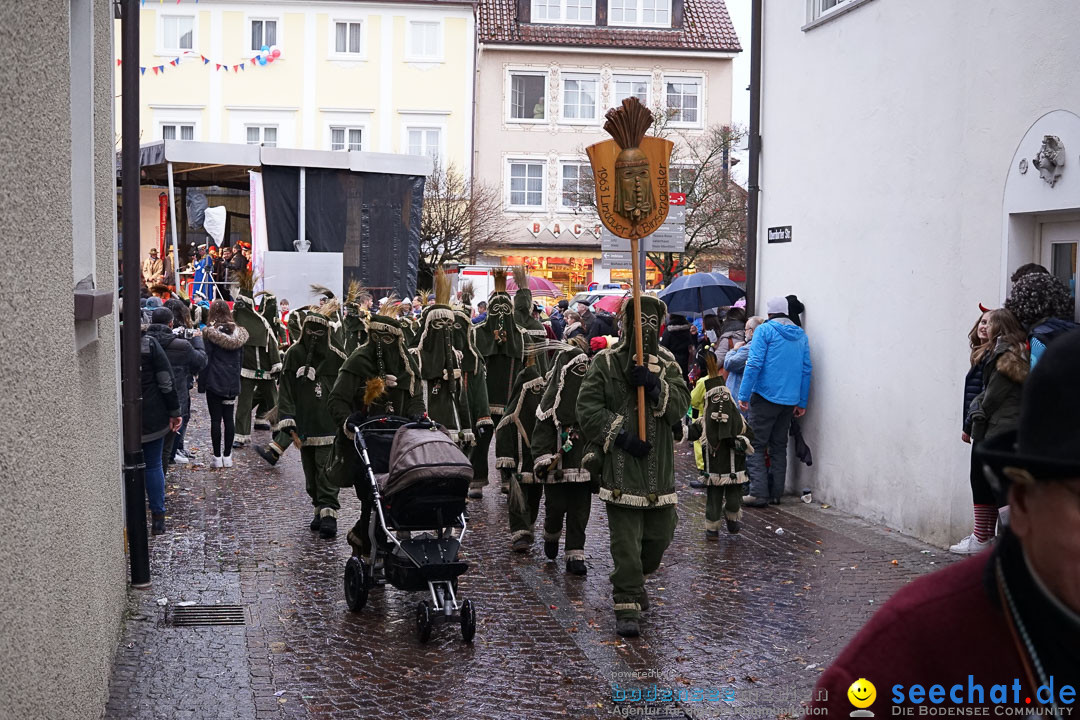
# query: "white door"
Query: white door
1060,241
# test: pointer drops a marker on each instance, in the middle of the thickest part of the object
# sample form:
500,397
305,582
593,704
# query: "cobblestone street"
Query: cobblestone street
760,614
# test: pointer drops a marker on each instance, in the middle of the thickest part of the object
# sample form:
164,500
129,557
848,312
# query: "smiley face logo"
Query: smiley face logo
862,693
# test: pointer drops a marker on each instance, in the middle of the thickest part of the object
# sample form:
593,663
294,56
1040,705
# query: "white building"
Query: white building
899,139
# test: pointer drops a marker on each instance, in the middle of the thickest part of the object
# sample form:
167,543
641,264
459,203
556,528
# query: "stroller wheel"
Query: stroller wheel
356,589
468,620
423,621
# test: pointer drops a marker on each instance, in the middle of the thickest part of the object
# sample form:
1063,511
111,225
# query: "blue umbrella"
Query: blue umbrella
693,294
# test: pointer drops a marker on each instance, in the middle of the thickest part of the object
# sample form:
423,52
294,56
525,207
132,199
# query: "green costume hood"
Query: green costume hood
653,312
464,342
435,346
499,334
564,383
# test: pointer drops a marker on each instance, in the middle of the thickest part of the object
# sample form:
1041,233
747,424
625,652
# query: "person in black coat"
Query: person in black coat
681,342
187,358
558,319
603,324
160,416
984,500
220,379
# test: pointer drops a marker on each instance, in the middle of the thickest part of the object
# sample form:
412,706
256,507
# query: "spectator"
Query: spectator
983,500
1043,305
1009,613
153,269
587,318
735,359
220,379
775,387
795,309
187,358
574,327
731,331
680,342
481,313
558,319
160,416
603,324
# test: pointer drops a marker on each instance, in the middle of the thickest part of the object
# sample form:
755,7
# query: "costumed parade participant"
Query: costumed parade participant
443,388
561,455
532,328
513,454
356,310
501,342
309,373
725,439
202,280
262,361
264,417
473,373
637,483
380,378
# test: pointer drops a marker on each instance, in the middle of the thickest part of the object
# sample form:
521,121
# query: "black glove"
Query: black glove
640,376
677,432
541,473
695,432
631,444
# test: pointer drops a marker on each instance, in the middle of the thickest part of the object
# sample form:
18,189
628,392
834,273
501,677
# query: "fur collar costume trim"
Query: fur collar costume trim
234,339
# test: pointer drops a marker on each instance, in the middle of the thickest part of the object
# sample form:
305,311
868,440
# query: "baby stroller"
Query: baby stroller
419,482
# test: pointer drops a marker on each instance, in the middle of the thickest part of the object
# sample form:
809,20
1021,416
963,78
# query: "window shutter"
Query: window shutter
524,11
601,12
677,8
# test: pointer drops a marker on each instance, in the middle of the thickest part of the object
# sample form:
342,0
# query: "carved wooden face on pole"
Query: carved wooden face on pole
631,172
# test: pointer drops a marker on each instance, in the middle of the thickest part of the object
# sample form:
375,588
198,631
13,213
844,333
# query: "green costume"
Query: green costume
473,373
310,371
562,456
725,440
513,455
532,328
501,342
383,357
442,379
637,482
354,327
260,367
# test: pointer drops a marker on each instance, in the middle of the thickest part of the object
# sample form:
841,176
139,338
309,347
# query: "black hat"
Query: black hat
1046,446
161,316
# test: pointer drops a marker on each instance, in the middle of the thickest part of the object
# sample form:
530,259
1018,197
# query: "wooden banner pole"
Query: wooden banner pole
639,346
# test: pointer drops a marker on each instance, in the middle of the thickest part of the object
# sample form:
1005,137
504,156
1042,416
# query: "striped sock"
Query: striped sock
985,519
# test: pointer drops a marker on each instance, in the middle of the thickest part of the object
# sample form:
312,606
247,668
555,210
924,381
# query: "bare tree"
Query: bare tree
461,219
715,205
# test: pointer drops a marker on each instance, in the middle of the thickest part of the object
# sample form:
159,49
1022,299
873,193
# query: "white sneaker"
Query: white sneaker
216,462
970,546
227,461
181,459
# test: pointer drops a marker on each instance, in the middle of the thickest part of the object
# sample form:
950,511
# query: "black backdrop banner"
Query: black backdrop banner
373,219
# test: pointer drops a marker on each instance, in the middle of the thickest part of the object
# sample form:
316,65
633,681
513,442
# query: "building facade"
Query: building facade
61,503
548,70
374,76
908,179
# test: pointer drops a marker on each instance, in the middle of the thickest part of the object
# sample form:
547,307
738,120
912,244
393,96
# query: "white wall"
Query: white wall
888,135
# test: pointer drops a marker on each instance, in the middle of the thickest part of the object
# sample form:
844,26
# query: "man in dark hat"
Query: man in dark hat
1001,628
558,318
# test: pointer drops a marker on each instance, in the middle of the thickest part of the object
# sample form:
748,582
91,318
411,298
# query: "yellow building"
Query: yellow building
384,77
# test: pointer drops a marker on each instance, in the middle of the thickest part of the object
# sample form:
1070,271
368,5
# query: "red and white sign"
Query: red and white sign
676,198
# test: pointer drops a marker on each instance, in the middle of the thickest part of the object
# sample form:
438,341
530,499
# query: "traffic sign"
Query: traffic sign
617,260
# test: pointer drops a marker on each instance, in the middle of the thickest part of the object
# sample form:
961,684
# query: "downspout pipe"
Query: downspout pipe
753,180
130,335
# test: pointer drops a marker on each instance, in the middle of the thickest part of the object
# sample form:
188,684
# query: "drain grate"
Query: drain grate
193,615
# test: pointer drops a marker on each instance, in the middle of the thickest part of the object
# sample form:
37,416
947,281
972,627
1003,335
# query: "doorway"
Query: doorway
1060,243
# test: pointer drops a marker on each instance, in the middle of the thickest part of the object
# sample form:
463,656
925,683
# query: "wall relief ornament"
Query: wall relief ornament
1050,160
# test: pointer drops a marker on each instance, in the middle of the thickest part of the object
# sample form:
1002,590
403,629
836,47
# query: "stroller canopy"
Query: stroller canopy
423,454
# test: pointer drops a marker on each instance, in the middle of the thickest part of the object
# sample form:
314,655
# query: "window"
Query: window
348,38
652,13
577,185
563,11
527,96
579,98
626,86
526,184
425,41
177,131
681,179
263,32
177,32
818,9
346,138
262,135
424,141
683,99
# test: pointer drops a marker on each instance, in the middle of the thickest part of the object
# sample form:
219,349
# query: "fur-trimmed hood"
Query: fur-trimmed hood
1010,363
227,337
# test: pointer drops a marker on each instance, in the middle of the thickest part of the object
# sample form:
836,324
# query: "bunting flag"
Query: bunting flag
256,60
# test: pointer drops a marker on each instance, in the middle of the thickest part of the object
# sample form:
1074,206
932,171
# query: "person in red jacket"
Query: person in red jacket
1001,628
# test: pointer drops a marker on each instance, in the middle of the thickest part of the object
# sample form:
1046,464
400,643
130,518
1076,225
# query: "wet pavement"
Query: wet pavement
738,628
